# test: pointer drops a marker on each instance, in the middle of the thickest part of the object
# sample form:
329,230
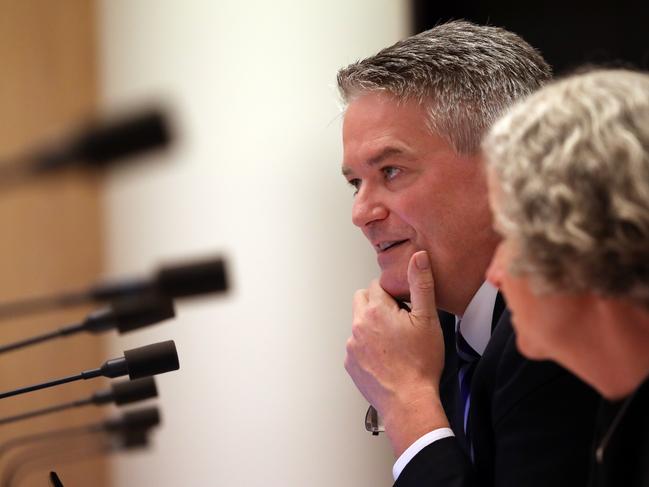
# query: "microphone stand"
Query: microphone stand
93,147
177,281
126,392
146,361
125,315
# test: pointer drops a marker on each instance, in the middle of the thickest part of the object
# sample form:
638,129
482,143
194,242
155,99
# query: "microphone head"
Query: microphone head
178,281
133,313
154,359
101,143
138,420
129,314
135,439
130,391
111,141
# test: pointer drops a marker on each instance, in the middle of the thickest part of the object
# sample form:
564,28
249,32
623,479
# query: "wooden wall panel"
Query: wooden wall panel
50,235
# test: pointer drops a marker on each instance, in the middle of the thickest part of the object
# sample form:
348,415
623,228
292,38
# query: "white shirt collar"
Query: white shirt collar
476,321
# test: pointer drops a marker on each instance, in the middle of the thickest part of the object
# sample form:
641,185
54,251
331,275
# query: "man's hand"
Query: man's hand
396,357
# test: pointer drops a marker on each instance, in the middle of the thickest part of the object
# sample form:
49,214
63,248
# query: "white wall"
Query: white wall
262,398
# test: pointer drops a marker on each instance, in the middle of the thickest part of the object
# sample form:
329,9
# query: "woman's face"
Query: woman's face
546,323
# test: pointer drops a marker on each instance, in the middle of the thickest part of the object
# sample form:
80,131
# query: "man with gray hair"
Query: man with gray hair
460,405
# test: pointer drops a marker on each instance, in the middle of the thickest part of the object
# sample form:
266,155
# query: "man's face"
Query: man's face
414,192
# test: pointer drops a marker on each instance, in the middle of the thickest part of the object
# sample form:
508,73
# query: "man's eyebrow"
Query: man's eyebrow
377,159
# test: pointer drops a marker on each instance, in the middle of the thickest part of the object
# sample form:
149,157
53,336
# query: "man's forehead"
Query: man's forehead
378,108
376,121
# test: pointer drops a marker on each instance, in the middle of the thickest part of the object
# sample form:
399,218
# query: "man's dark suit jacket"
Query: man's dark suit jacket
532,422
623,441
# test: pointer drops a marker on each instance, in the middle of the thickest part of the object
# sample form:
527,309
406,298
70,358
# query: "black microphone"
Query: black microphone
154,359
142,419
109,141
126,392
120,393
171,281
138,420
192,279
125,315
125,432
95,146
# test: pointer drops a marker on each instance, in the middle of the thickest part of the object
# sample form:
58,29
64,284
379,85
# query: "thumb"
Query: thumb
422,286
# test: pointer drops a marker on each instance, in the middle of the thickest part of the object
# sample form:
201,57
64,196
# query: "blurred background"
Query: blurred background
253,175
261,397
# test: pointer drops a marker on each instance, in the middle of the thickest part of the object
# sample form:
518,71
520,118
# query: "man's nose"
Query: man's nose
367,208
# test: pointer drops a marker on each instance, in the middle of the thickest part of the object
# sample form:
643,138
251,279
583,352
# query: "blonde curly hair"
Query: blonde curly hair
572,161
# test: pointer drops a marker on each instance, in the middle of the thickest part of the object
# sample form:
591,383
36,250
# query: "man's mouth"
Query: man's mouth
385,246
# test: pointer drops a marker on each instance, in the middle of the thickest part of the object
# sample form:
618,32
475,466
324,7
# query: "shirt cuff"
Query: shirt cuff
416,447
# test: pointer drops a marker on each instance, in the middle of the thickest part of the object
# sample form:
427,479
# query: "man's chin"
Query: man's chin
397,288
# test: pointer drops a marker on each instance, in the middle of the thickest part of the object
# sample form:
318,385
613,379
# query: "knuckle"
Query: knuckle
373,311
426,284
357,329
422,321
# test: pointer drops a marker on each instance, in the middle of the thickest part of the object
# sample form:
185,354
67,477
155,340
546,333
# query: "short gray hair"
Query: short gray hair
573,166
465,74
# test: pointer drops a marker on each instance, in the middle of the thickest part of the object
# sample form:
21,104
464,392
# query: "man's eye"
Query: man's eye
390,172
356,184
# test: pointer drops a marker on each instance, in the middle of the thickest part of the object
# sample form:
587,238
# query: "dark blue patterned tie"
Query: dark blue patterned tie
467,361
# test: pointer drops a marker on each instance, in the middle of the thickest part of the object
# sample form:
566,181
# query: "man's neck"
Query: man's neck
466,279
459,302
